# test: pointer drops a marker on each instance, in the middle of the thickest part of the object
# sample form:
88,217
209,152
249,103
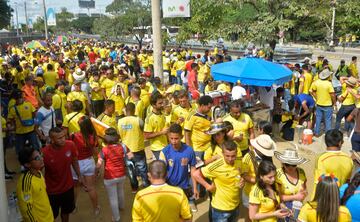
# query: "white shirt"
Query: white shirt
238,92
267,97
43,119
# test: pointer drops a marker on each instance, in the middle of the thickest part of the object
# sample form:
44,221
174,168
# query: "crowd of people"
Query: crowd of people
55,99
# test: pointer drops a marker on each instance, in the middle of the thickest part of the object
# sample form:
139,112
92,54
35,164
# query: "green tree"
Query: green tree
63,20
83,24
5,12
127,17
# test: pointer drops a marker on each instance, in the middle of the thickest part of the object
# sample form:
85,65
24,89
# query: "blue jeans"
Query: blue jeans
20,140
139,160
201,87
323,112
178,77
344,111
224,216
355,142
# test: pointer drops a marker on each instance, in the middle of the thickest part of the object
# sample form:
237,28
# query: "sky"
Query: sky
35,7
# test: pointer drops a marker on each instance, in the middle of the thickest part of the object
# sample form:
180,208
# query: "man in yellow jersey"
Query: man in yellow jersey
97,98
108,83
59,101
353,67
305,80
155,128
226,184
77,94
50,76
348,103
182,111
243,126
323,92
166,66
33,200
196,126
333,160
131,127
71,120
108,116
21,117
144,95
160,202
134,97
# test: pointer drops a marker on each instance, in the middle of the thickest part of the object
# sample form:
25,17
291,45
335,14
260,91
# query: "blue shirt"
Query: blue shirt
352,203
310,102
178,163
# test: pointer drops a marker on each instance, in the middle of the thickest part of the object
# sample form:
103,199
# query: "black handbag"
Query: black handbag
130,170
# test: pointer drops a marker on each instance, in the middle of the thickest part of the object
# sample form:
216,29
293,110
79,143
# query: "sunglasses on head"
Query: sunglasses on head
289,165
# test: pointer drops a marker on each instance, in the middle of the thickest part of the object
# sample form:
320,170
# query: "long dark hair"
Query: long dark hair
213,141
264,169
87,130
350,190
327,199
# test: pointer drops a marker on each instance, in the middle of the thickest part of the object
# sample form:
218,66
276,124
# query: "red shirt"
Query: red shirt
113,156
92,57
57,163
188,65
83,151
192,81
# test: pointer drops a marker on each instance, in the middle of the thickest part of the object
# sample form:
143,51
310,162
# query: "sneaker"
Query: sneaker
193,206
97,211
8,177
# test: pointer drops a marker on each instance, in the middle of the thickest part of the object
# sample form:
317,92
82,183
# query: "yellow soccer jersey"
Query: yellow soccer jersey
107,84
349,99
130,127
78,96
308,213
33,200
334,162
161,203
180,112
266,204
139,107
96,95
307,80
323,88
226,179
241,127
285,187
119,104
51,78
108,120
25,111
59,102
156,123
197,124
71,122
247,167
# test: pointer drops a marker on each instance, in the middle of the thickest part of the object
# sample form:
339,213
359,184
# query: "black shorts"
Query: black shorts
65,201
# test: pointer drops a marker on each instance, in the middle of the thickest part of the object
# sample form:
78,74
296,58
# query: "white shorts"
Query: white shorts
87,168
245,199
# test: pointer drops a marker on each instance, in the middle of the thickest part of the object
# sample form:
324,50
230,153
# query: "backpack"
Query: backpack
39,71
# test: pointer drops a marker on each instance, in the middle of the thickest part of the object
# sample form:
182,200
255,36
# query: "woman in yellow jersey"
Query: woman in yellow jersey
264,202
291,180
325,207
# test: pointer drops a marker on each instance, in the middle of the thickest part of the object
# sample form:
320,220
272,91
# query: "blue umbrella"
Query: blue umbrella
252,71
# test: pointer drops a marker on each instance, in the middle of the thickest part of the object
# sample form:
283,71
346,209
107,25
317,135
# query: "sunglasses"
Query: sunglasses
289,165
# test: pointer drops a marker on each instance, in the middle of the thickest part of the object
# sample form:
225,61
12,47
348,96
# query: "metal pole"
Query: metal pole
157,43
3,196
17,20
26,17
333,24
45,21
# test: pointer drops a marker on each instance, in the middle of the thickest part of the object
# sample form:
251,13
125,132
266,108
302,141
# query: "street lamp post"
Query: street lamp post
156,28
17,20
45,21
333,3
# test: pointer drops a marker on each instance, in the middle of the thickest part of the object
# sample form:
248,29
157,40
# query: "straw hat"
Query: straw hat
351,81
215,128
291,157
306,58
79,75
264,144
324,74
